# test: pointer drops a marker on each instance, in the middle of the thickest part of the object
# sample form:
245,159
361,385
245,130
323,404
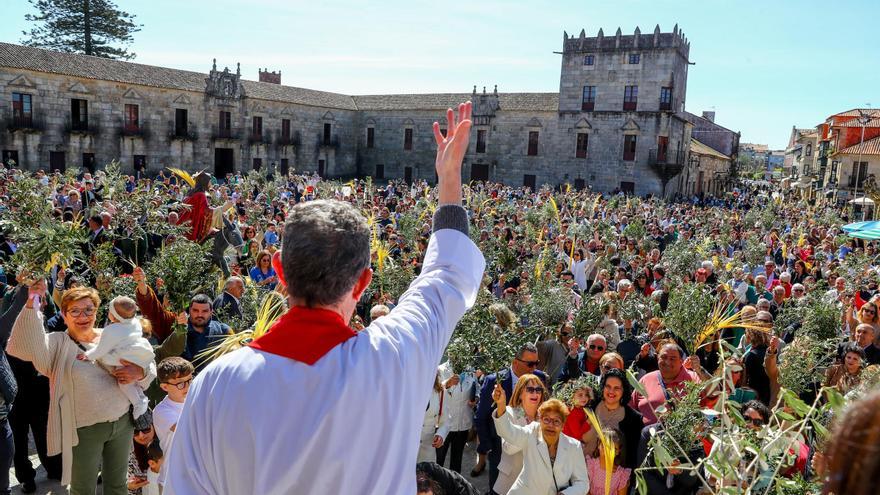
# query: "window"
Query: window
809,149
533,143
285,132
582,140
662,148
630,97
407,139
407,175
79,114
132,121
9,157
258,163
181,121
589,100
285,167
328,128
481,141
635,58
225,124
665,98
860,170
22,109
834,164
380,171
629,148
257,128
371,137
589,59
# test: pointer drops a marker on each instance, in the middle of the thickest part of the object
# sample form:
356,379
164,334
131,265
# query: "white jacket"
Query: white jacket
436,423
567,475
511,462
461,414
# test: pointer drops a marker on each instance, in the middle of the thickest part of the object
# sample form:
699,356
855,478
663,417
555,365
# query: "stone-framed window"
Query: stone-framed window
533,143
181,121
589,99
285,130
481,140
132,117
225,125
328,130
629,147
630,98
583,140
589,59
371,138
22,109
79,114
666,98
809,151
635,58
408,139
257,127
662,148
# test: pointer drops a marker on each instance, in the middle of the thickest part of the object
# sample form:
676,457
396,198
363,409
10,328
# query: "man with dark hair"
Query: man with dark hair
202,330
526,361
304,406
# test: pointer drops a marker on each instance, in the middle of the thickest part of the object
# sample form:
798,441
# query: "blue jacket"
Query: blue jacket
197,342
486,407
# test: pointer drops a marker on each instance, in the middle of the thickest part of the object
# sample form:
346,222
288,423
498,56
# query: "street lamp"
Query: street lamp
864,119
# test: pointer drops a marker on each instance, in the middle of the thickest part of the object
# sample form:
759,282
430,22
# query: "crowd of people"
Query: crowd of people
785,357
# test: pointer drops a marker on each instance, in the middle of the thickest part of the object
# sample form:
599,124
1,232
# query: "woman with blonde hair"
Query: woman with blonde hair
866,314
504,316
528,394
553,463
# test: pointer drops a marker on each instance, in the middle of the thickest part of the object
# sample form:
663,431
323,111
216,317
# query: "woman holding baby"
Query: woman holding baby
89,419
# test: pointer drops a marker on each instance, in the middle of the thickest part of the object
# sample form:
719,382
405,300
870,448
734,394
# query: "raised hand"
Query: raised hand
499,396
450,152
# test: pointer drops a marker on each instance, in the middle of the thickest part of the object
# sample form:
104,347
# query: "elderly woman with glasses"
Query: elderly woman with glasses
89,420
527,397
553,463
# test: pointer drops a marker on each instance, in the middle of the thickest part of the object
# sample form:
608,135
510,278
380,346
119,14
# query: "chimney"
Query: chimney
270,77
709,115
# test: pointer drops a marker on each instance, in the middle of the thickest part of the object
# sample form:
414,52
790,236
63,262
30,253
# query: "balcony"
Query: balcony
328,142
182,133
588,106
87,128
219,133
293,140
666,164
137,130
258,138
630,106
25,123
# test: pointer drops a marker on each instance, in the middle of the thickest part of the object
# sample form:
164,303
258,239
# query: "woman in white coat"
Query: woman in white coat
435,426
552,462
527,396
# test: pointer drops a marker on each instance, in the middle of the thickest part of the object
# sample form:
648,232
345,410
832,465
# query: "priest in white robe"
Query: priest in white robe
313,407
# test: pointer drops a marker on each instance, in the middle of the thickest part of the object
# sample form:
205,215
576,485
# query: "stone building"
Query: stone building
617,122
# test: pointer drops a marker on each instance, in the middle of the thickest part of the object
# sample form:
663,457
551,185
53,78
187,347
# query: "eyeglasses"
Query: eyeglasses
869,311
534,390
755,421
76,313
594,347
552,422
530,364
181,385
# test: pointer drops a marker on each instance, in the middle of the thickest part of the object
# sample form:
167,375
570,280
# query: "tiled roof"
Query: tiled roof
702,149
870,147
856,112
70,64
548,102
104,69
855,123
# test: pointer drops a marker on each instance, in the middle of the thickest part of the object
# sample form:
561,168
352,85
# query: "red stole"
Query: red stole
304,334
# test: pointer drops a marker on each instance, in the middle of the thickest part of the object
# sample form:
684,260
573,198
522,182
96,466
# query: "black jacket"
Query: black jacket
449,481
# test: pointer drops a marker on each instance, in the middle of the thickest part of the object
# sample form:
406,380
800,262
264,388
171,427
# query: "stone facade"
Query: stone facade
221,122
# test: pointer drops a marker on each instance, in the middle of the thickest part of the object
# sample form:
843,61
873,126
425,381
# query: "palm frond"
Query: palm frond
184,175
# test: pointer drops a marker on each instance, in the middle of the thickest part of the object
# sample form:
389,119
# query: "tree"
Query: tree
89,27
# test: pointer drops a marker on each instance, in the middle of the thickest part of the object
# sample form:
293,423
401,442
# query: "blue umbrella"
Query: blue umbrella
867,234
861,226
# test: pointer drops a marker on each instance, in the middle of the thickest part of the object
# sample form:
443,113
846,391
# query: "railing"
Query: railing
89,127
25,123
224,133
668,157
332,142
133,130
182,134
257,138
292,140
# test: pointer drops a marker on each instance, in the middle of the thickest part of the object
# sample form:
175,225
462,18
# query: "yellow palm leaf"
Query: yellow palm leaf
609,450
184,175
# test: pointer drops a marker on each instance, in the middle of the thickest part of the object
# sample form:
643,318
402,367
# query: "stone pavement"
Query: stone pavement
51,487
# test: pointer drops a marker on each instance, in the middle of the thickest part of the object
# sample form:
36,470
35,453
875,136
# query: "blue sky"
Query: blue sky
763,66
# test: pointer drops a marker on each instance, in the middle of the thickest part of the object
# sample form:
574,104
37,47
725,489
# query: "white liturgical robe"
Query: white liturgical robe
256,423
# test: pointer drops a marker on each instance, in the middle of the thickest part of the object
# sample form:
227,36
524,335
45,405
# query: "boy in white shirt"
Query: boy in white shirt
175,375
154,461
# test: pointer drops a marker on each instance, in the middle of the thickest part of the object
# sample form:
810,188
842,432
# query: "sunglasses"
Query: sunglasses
755,421
594,347
530,364
534,390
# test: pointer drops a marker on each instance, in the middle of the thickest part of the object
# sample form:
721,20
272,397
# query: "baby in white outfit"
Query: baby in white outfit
123,340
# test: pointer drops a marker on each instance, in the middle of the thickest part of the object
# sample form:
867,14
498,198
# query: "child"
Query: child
596,467
154,460
175,377
577,425
123,340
